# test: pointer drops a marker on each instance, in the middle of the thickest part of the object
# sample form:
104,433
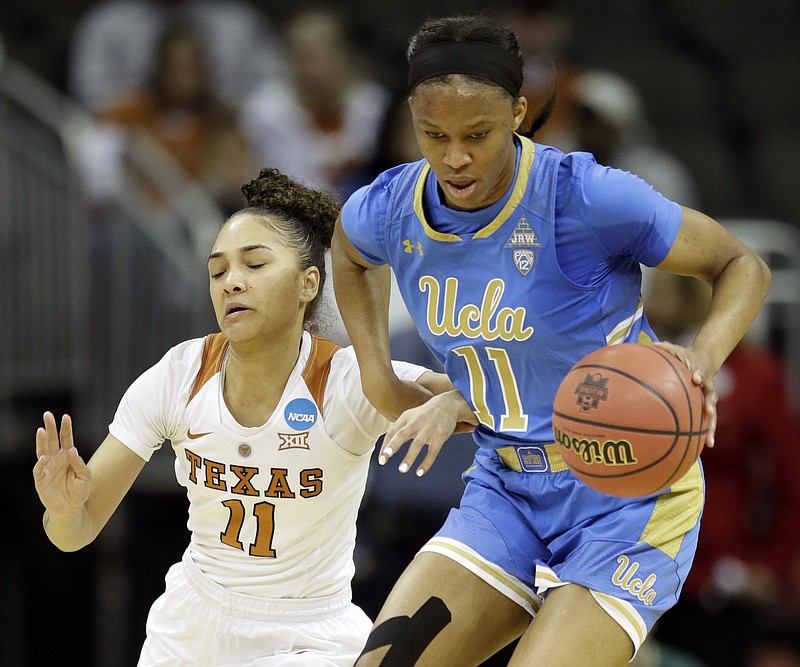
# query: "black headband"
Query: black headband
481,59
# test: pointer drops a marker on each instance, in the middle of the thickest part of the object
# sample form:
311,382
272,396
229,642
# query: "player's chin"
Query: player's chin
237,332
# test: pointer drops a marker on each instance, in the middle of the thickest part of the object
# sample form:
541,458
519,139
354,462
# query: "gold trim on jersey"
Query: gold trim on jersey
315,373
620,332
520,184
318,367
675,513
214,348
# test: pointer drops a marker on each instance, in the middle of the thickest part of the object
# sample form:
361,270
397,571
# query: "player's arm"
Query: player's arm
362,294
79,498
739,277
740,281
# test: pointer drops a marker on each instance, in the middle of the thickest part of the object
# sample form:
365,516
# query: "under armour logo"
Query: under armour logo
410,246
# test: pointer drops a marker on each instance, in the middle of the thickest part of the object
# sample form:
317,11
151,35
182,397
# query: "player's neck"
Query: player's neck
255,380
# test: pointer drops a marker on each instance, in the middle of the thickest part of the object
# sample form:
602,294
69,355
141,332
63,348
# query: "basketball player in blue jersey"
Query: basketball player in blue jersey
272,435
515,260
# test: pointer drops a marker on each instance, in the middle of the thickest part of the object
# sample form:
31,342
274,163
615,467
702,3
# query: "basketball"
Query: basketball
628,419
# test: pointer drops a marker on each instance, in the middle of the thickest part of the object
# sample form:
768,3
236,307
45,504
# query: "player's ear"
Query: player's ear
310,284
519,110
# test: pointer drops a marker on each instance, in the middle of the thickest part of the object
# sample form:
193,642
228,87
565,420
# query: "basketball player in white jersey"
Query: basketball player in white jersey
272,436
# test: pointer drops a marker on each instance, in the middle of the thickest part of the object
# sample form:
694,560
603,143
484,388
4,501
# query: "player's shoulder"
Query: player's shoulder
186,358
389,186
598,185
342,360
574,164
192,349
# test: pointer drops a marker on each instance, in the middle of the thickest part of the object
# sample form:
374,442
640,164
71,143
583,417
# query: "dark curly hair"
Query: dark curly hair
303,218
475,28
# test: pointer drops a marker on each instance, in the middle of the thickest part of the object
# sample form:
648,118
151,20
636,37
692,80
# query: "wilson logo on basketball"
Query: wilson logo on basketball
610,453
591,391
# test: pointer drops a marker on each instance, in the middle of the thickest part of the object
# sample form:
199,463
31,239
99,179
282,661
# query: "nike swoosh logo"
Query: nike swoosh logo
194,436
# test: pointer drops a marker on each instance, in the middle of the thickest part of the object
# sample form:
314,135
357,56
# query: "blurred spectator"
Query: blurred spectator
654,653
397,140
113,47
777,646
545,31
747,566
610,123
320,125
181,114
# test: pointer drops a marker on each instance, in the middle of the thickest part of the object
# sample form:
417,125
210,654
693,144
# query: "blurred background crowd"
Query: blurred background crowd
126,130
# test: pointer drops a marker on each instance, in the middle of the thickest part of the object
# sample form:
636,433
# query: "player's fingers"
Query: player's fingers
39,469
712,429
414,448
434,447
672,349
711,414
78,464
41,443
398,434
390,445
66,432
50,440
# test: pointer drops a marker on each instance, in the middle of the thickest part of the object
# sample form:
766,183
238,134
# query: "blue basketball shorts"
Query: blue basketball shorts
526,525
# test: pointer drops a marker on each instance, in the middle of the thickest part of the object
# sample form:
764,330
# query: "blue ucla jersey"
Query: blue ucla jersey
490,297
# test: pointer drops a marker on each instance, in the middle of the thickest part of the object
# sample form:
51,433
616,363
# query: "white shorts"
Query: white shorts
196,622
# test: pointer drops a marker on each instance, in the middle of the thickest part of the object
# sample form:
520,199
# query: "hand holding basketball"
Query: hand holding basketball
629,419
700,368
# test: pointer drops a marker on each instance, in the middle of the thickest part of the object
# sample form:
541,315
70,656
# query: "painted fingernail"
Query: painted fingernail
420,472
381,460
403,467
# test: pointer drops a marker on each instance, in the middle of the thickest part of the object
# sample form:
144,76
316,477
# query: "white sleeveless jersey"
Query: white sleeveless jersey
272,509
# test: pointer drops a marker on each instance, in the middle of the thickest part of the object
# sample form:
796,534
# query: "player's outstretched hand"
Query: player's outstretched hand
431,424
62,479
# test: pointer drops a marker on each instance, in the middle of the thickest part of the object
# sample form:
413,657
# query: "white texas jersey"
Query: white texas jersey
272,509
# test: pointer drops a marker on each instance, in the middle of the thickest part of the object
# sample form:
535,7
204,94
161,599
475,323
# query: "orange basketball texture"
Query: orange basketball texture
628,419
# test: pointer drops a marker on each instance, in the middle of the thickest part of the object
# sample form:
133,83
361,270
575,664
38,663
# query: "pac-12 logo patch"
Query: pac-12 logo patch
300,414
523,260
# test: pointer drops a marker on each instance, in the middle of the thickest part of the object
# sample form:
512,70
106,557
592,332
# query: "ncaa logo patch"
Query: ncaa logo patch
300,414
